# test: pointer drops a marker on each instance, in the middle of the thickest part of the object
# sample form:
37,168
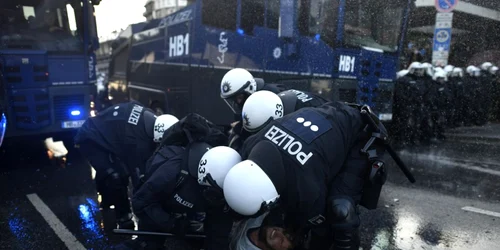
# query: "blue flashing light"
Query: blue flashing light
240,31
317,36
75,112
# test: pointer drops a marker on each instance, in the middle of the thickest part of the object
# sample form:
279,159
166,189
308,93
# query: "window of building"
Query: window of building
219,13
252,14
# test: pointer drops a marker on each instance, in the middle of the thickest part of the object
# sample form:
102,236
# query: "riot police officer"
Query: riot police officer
238,84
458,97
410,109
117,143
439,105
253,119
182,190
486,89
309,163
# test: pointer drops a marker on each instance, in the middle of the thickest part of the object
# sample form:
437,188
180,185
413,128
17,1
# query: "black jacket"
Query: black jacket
305,151
125,130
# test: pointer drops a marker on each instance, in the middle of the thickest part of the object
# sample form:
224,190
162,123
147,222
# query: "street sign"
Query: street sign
444,20
442,39
446,5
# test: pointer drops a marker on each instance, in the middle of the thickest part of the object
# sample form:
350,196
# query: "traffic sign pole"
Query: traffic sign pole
442,32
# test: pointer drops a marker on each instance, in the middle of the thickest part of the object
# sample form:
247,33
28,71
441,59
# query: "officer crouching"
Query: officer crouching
117,143
309,170
182,190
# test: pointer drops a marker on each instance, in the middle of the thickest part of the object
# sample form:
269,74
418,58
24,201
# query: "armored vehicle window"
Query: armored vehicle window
219,13
273,13
252,14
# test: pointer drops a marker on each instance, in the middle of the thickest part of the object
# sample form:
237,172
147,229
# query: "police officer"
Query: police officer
117,143
440,101
486,90
178,195
238,84
309,163
409,103
476,109
253,120
458,97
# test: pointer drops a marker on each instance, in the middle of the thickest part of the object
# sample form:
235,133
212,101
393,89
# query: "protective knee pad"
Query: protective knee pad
342,213
344,220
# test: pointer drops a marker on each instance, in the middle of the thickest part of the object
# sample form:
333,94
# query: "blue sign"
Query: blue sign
442,39
446,5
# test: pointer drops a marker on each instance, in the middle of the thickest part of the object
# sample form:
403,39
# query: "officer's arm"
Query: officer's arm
148,199
217,227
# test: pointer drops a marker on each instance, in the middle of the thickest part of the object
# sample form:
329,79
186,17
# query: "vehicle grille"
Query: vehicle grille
63,105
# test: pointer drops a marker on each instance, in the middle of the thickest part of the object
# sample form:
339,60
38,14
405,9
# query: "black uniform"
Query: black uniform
117,143
171,200
410,108
458,101
292,100
313,158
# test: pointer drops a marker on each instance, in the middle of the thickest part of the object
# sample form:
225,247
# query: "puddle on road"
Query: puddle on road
410,232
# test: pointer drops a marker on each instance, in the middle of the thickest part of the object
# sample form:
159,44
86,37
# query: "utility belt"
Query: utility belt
378,172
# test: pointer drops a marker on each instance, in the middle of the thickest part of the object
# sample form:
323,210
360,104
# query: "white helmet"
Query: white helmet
439,74
235,82
261,108
486,65
476,72
162,123
401,73
246,187
458,72
448,69
470,69
493,70
428,68
416,68
415,65
215,164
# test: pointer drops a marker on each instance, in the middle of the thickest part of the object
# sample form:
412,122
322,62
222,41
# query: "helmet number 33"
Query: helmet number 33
279,110
201,169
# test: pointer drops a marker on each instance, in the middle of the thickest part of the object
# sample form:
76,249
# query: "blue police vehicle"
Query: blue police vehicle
341,49
47,64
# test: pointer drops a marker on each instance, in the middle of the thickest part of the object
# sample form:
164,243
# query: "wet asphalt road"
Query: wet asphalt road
427,215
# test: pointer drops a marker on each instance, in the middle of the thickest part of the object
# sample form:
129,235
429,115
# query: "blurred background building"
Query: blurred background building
160,8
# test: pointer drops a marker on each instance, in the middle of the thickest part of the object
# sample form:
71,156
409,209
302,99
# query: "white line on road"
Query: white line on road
481,211
64,234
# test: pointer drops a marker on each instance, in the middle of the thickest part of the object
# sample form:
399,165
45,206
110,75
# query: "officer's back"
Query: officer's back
118,127
313,143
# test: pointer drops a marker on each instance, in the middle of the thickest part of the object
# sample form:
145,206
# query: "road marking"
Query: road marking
455,162
481,211
64,234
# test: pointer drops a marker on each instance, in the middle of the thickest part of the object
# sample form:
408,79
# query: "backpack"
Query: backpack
195,135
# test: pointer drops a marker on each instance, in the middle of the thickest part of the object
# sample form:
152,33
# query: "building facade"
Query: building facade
156,9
